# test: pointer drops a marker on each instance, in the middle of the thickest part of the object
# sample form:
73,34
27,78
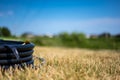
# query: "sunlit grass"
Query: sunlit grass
70,64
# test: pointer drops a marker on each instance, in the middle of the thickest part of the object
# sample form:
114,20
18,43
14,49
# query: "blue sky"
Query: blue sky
55,16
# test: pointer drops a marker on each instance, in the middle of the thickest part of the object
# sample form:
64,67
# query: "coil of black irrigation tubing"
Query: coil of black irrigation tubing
17,53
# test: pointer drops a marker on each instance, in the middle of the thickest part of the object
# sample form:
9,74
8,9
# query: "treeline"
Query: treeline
79,40
64,39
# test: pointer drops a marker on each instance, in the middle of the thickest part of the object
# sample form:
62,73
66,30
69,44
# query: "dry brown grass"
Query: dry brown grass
70,64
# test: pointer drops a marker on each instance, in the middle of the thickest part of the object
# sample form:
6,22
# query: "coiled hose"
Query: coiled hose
14,53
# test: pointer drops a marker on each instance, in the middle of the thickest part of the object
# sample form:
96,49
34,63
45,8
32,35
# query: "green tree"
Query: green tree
79,39
4,31
27,34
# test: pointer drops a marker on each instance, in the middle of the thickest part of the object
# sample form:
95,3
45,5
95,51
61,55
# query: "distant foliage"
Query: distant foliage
72,40
105,41
105,35
27,34
5,32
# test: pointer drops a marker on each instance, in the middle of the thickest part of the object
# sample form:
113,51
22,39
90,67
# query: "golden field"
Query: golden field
70,64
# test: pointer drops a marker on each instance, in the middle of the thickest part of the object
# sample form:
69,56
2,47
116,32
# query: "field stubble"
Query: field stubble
70,64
